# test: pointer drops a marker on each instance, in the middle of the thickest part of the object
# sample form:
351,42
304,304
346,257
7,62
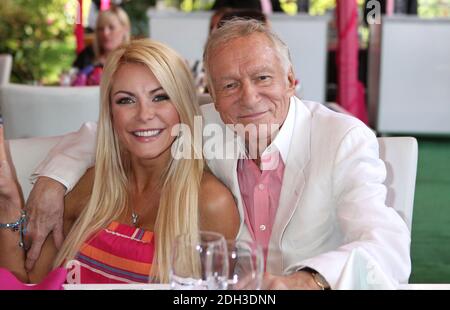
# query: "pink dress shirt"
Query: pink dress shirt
260,190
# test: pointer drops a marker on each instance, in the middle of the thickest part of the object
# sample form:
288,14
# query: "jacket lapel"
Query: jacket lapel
293,182
233,151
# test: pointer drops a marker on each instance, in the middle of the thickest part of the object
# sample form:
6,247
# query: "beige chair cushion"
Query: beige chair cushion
26,155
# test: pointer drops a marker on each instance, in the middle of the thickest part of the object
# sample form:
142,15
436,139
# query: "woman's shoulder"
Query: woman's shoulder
218,211
213,191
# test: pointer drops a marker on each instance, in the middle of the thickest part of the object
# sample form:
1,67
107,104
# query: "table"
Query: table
423,286
137,286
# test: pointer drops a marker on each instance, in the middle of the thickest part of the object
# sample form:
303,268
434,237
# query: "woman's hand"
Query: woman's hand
10,201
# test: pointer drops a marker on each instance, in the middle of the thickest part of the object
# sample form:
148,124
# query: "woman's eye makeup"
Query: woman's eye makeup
124,97
125,100
160,97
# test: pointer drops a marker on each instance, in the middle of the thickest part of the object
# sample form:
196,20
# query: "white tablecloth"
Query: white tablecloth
166,287
116,286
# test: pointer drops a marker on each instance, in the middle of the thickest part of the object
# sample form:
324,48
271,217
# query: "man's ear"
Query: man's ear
291,81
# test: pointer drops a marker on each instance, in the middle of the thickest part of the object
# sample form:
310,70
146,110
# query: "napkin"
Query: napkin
53,281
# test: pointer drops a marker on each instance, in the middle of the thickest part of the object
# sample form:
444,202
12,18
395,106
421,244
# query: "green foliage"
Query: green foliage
434,8
320,7
195,5
40,38
137,11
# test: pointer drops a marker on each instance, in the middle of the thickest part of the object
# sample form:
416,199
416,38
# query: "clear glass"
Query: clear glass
246,265
199,263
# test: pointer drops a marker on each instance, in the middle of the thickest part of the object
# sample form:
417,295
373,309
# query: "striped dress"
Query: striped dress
117,254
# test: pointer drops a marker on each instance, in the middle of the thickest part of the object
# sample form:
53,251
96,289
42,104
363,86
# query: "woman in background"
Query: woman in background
112,29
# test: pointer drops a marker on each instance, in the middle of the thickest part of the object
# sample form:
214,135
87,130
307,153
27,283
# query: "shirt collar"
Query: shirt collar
283,139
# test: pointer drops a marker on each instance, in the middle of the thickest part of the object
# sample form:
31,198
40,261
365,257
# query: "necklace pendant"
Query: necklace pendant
134,218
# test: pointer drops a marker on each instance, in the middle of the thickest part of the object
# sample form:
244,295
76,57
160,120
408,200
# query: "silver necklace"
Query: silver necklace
134,218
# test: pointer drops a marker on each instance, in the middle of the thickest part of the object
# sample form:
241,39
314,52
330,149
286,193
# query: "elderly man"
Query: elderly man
311,198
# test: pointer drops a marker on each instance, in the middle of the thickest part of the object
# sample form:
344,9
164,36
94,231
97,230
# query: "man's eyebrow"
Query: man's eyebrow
226,78
261,69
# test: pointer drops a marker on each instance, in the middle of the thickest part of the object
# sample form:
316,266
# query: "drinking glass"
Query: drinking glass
246,265
199,262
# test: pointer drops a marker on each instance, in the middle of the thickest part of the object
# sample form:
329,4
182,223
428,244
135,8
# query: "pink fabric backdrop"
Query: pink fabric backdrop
350,91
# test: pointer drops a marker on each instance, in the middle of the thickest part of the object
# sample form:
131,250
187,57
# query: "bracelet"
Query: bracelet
20,225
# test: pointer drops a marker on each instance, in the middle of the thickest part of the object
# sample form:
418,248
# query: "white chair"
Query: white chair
27,154
5,68
36,111
400,157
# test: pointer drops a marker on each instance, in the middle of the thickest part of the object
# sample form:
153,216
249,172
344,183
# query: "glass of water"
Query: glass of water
199,262
246,265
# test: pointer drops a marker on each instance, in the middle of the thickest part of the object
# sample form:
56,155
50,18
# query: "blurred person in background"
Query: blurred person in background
112,29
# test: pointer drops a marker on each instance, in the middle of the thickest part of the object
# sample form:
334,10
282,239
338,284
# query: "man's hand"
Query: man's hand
300,280
45,209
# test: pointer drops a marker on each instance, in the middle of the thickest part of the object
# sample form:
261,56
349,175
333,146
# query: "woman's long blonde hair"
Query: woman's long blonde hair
178,205
113,12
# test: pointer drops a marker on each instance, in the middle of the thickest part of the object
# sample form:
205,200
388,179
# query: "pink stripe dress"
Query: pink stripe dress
117,254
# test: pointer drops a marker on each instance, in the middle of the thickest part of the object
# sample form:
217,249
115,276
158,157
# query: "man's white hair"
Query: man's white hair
238,28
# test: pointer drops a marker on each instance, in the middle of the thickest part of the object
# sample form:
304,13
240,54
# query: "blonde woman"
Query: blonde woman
121,219
112,29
